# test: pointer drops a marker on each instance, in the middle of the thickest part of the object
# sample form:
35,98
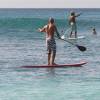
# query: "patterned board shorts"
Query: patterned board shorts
51,45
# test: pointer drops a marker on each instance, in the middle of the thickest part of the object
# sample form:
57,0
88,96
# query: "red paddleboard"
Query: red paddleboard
56,66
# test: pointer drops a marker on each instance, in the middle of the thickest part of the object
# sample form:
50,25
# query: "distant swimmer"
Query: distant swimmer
72,23
94,31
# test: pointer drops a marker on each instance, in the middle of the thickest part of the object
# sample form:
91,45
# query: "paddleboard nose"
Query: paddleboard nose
62,37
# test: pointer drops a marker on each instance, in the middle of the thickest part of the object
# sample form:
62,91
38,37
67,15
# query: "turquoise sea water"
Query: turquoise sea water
21,44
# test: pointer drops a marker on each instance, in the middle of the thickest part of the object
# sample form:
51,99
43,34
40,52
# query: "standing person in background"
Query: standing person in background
50,30
72,23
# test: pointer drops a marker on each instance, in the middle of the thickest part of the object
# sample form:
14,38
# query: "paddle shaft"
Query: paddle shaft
66,41
81,48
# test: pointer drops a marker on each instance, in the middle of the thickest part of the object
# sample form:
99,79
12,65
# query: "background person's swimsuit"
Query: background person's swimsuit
73,27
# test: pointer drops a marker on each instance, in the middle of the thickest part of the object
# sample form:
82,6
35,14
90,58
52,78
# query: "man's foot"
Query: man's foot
48,64
53,64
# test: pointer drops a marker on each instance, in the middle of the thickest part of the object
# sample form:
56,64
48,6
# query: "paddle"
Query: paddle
81,48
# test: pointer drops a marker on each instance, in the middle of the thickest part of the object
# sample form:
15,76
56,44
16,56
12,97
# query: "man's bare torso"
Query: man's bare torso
72,19
50,31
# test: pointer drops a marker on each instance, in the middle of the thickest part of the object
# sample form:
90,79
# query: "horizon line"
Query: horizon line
47,8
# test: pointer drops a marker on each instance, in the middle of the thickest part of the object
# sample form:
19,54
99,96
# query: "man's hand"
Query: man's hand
39,29
59,37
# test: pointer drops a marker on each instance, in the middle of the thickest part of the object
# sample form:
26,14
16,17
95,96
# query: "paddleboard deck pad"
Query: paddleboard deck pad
56,66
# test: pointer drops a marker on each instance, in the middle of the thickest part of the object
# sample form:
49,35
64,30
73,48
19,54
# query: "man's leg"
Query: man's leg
71,31
75,34
49,57
53,58
71,34
75,31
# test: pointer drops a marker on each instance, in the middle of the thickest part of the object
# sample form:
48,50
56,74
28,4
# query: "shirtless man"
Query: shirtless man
50,30
72,22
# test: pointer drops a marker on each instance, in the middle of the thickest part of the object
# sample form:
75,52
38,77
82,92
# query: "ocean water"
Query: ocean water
21,44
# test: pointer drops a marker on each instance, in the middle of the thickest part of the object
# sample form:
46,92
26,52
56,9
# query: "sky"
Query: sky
49,3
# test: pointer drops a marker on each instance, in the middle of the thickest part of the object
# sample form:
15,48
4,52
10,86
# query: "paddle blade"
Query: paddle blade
81,48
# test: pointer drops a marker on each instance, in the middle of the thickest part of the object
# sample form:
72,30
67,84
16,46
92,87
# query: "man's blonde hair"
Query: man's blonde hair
51,20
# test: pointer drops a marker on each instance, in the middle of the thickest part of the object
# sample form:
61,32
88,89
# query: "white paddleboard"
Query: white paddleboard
72,38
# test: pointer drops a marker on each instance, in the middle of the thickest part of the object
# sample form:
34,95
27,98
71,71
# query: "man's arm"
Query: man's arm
42,29
58,35
78,15
69,20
